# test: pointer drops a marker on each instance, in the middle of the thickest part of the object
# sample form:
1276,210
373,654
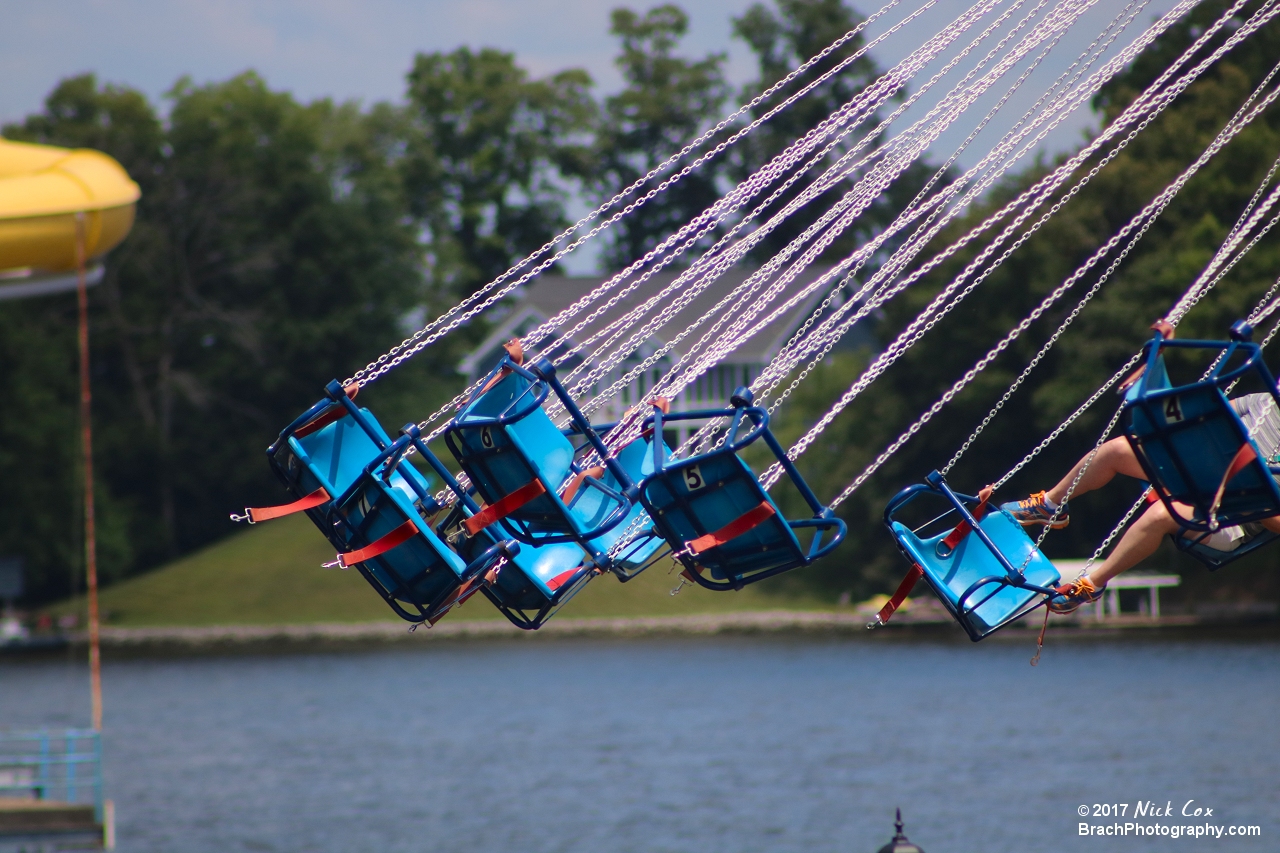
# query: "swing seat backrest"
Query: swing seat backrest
501,455
419,572
1186,439
993,604
533,582
699,496
594,506
332,458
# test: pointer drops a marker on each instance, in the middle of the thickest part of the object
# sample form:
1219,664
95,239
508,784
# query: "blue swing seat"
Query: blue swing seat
327,447
714,515
534,585
981,580
536,582
519,462
386,518
1214,558
1191,443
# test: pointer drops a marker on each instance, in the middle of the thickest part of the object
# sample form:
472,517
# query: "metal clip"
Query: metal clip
335,564
683,583
246,517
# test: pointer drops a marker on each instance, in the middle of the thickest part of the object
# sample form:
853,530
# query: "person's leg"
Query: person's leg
1113,457
1139,542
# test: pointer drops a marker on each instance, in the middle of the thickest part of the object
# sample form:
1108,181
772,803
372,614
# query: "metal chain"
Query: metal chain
417,341
938,310
823,343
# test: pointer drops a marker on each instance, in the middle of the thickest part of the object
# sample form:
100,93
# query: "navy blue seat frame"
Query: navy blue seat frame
1153,403
283,462
382,468
967,602
823,519
542,380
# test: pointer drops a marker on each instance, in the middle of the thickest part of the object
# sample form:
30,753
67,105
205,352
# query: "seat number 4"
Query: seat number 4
1172,410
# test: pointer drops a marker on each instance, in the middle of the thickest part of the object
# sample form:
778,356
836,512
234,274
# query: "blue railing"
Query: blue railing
63,765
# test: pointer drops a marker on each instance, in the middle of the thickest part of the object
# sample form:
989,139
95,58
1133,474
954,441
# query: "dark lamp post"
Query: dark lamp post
899,843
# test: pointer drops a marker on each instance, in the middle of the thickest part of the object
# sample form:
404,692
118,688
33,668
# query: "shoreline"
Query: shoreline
118,641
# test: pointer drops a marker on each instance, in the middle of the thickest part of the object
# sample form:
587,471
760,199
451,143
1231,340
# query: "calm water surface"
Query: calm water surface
674,745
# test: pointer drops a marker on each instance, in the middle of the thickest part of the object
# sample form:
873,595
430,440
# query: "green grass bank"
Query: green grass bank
270,574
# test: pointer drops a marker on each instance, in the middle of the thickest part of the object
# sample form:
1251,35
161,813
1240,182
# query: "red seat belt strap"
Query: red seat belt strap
576,483
254,514
381,545
336,412
501,509
750,519
1243,457
904,589
962,529
561,579
516,351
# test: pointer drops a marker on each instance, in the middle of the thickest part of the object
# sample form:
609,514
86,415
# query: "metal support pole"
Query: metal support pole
86,440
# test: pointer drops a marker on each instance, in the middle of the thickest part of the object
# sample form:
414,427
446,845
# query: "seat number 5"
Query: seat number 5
693,478
1172,410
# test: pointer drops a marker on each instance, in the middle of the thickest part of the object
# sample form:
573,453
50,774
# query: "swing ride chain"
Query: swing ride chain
834,174
1148,217
414,344
823,341
1152,106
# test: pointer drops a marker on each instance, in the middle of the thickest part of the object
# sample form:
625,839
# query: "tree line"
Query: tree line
280,244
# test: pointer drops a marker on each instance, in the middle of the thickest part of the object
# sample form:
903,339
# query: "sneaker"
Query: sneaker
1070,596
1034,510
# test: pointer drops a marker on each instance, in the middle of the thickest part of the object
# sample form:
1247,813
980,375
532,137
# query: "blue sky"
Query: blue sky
350,50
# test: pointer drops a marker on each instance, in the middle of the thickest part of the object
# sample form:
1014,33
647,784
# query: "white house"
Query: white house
547,295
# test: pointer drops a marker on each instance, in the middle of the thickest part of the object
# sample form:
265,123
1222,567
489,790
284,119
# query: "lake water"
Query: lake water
676,745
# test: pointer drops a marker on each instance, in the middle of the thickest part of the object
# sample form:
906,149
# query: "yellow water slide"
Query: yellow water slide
42,189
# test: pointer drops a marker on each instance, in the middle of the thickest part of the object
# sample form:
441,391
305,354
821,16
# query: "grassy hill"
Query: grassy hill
270,574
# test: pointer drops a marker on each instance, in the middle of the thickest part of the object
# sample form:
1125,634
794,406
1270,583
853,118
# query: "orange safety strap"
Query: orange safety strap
264,513
962,529
516,351
336,412
1243,457
750,519
1167,332
904,589
503,508
662,404
562,578
382,545
576,483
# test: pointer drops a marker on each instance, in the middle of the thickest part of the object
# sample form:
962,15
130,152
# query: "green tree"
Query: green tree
489,158
1107,333
272,252
667,102
782,38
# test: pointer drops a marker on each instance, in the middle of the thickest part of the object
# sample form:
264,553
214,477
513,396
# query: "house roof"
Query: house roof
547,295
